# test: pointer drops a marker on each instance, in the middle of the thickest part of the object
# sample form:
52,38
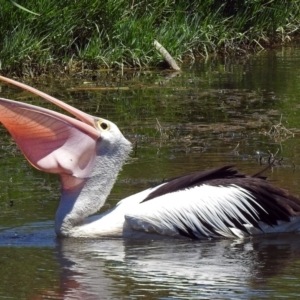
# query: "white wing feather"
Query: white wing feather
195,211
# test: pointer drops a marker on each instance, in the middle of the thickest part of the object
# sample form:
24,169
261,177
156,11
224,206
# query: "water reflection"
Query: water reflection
263,267
223,269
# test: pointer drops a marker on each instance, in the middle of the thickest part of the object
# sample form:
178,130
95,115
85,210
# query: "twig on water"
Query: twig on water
279,132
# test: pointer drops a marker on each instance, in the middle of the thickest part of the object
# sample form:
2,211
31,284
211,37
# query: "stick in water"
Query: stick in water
167,56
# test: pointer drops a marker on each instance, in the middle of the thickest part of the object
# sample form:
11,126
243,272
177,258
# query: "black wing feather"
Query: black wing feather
194,179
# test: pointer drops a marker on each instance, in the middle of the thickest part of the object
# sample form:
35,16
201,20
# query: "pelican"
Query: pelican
88,152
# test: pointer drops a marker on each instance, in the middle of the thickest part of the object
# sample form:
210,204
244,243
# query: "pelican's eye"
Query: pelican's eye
103,125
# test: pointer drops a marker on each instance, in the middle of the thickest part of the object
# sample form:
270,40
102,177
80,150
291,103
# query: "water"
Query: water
213,113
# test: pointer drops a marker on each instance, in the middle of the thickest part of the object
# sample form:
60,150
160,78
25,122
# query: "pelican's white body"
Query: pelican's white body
156,218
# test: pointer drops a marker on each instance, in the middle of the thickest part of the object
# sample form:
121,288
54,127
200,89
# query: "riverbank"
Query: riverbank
73,36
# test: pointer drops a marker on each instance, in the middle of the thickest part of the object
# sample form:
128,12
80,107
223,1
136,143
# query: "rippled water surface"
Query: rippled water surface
233,111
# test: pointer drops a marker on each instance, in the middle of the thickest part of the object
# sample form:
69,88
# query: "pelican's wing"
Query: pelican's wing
212,205
51,142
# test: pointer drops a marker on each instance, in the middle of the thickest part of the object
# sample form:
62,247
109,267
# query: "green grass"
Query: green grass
89,34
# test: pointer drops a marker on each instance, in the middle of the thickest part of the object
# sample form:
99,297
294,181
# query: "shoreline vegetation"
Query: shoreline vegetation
86,35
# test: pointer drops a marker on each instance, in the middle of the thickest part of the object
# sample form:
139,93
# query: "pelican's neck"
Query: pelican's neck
91,193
